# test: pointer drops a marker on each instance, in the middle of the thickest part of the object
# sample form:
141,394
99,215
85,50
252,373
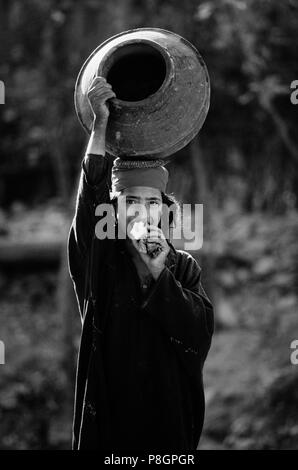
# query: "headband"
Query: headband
127,173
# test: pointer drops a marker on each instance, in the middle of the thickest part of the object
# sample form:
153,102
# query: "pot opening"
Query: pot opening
136,71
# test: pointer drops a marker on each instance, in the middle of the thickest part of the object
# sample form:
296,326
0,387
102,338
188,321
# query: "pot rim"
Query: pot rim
103,70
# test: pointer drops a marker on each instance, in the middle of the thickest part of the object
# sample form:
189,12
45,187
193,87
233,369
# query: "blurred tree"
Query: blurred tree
246,153
250,50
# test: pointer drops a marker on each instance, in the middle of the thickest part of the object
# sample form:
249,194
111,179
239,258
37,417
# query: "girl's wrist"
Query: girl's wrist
100,123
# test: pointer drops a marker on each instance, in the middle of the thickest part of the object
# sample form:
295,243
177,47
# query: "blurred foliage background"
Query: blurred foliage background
242,167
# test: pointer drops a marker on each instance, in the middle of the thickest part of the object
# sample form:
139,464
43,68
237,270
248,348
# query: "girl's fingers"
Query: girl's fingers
156,241
99,80
156,232
139,245
154,227
103,96
99,91
99,87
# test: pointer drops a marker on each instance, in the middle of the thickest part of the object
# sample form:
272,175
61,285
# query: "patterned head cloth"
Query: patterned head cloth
126,173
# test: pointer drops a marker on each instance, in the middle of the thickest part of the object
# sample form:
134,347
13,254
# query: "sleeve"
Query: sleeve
93,189
184,312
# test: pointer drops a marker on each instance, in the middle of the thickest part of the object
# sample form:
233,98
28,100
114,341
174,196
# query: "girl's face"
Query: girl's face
138,204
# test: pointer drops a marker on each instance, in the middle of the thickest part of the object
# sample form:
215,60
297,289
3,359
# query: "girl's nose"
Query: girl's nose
153,216
149,218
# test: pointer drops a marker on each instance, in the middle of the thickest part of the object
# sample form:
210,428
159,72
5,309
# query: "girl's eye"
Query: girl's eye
133,201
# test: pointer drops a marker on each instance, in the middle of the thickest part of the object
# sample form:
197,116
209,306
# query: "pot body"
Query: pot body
162,91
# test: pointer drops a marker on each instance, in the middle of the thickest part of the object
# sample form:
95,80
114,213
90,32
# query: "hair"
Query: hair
168,199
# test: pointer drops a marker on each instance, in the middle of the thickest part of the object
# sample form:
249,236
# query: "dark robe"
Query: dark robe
144,342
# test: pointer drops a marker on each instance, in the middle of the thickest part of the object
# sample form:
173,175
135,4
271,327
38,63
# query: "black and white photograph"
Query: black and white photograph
149,228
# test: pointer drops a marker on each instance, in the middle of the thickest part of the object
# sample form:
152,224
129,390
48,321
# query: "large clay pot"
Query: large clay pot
162,88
